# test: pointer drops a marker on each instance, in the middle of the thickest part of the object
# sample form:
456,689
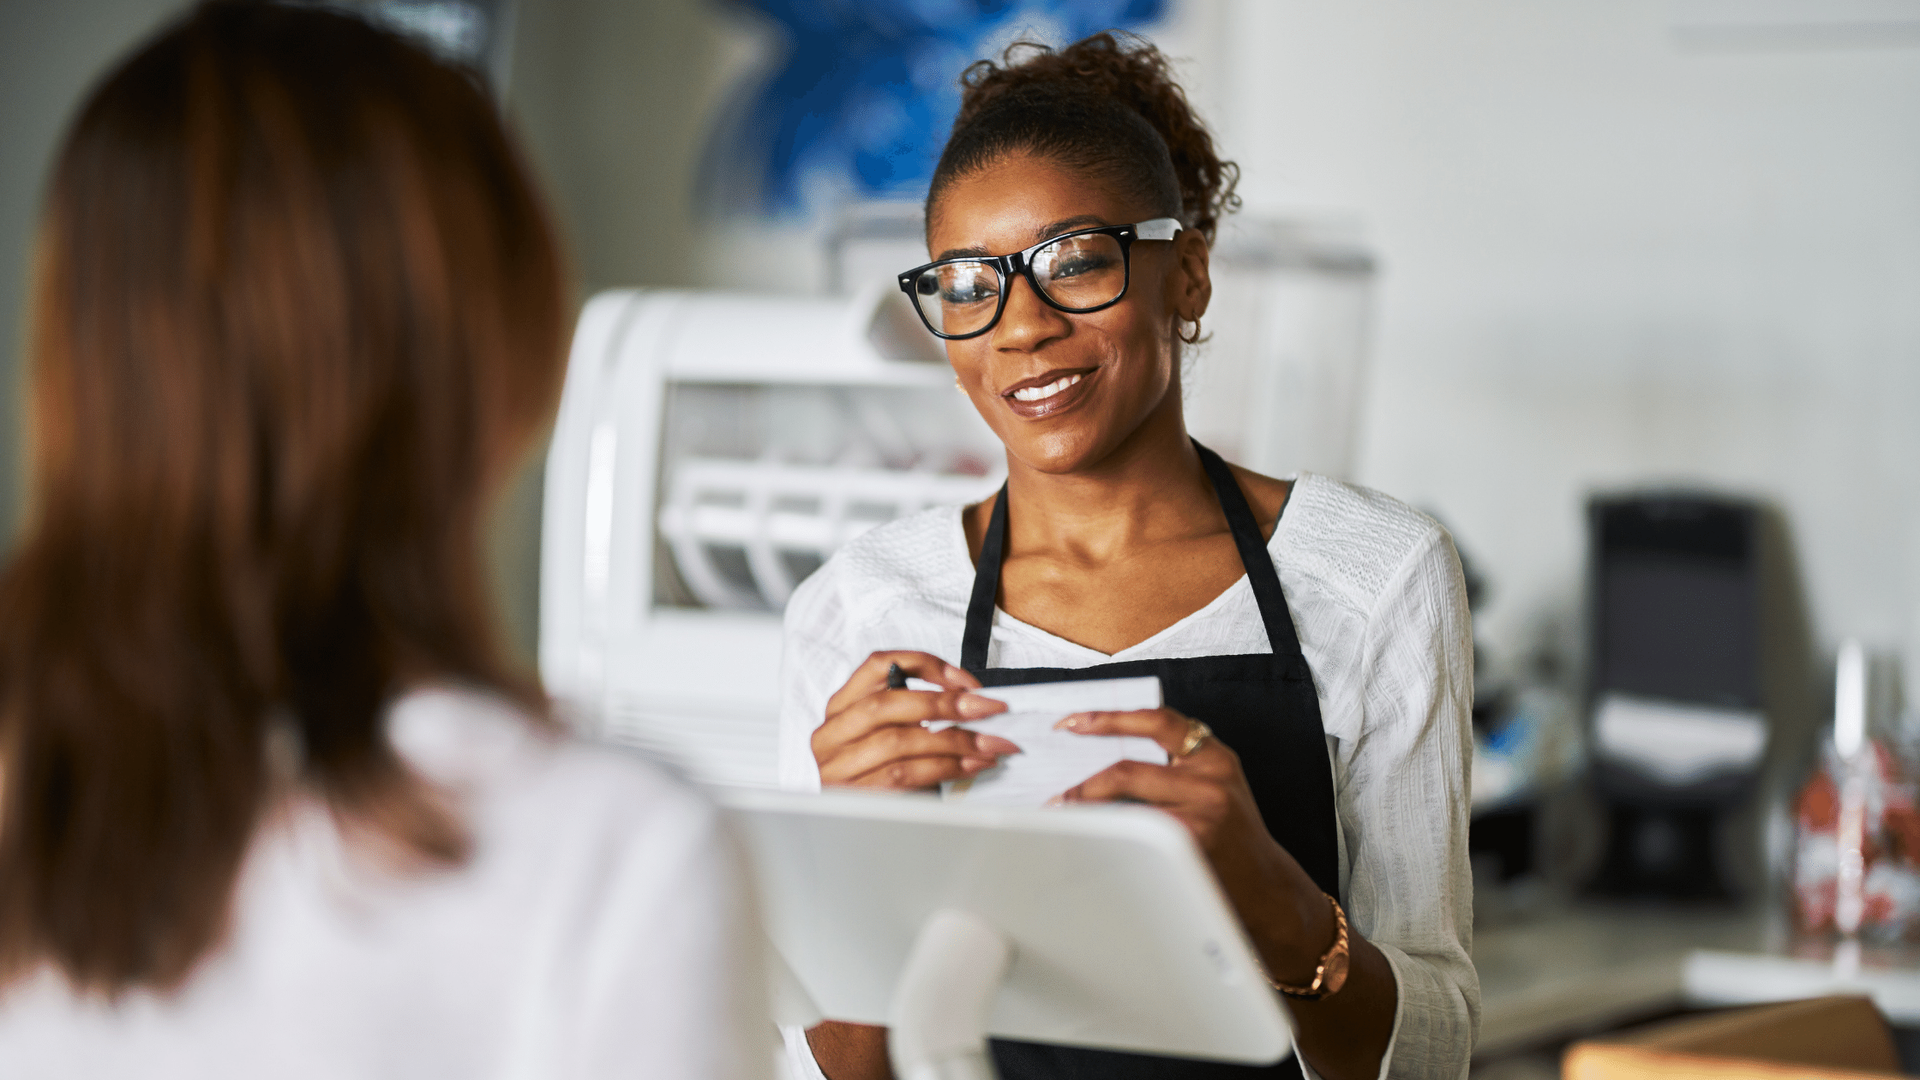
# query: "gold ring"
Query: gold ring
1197,733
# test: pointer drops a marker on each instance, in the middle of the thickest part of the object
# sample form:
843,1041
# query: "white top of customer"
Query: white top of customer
1380,607
595,932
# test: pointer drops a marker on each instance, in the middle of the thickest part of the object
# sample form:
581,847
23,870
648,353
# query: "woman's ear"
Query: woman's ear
1192,282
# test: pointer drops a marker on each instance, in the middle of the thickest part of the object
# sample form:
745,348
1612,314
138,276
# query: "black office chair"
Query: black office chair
1679,727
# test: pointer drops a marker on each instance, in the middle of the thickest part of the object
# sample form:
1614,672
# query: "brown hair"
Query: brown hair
297,308
1106,104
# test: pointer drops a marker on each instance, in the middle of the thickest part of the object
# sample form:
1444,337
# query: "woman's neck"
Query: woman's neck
1150,488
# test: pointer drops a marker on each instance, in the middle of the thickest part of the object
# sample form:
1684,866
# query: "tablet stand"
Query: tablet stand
937,1023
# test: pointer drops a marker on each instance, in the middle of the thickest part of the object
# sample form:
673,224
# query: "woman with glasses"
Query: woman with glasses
1311,637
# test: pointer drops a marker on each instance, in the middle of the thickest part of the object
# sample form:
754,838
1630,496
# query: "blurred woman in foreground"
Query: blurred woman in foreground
273,801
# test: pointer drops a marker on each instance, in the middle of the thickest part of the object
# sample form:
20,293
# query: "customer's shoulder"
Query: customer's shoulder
493,750
1354,540
626,790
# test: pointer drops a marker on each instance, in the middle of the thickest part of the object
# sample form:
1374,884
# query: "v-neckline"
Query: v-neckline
1003,618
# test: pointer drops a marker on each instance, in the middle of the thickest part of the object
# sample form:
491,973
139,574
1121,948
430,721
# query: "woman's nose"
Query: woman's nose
1028,321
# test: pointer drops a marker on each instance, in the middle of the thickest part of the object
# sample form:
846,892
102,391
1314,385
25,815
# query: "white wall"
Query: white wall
1608,259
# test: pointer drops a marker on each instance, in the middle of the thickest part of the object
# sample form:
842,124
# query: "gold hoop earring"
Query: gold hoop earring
1181,329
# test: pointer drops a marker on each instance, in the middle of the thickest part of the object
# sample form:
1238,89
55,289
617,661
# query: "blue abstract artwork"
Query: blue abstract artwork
863,93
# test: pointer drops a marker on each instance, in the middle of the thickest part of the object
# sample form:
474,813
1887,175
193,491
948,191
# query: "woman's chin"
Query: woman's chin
1061,452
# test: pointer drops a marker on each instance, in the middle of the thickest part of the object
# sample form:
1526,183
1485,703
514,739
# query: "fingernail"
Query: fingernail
1057,800
1072,723
975,764
973,705
994,744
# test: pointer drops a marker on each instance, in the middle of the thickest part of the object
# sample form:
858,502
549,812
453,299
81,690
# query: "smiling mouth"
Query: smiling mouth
1034,398
1041,393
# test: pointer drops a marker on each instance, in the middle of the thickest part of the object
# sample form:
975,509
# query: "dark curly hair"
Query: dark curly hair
1107,105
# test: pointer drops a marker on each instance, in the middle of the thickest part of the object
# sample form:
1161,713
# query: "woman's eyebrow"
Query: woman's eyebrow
1080,221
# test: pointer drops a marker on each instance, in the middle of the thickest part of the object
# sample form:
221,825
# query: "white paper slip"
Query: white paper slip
1052,761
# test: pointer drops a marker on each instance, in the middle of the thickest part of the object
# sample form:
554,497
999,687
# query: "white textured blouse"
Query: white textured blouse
1377,598
598,930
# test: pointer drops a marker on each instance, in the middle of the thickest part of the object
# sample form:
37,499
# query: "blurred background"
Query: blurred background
1626,294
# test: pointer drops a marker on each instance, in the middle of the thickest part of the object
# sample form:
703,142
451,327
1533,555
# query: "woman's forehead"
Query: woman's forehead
1018,201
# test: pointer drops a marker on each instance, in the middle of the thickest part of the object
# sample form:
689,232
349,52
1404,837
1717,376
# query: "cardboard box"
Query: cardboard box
1829,1038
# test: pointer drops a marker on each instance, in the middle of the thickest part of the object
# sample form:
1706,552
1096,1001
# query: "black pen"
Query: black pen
896,678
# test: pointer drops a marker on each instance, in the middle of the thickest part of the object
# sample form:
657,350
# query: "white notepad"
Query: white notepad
1052,761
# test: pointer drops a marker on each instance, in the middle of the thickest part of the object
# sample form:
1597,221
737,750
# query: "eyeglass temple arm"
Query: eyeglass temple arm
1165,228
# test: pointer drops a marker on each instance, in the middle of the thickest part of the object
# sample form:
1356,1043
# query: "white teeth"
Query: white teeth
1036,393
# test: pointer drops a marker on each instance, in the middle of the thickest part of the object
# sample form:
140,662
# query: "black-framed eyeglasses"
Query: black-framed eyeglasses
1077,272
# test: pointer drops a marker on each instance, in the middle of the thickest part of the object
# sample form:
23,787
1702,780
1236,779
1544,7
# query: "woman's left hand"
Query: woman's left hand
1290,923
1205,789
1276,899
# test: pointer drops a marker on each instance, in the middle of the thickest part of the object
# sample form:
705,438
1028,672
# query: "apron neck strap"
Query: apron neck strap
1253,554
986,587
1246,538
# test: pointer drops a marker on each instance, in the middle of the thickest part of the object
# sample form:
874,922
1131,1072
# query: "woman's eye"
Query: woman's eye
966,292
1079,263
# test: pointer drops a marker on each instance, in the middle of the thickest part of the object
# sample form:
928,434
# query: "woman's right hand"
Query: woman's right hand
876,737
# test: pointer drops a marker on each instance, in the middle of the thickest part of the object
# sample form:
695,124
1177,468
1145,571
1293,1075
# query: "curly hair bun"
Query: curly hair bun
1107,104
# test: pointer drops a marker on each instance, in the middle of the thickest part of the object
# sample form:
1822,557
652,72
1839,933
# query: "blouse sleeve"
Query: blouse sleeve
813,664
1404,802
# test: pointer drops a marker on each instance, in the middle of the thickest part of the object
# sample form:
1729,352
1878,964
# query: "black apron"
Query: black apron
1262,705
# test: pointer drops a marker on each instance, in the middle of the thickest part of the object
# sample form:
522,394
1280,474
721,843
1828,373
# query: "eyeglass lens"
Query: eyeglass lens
1075,272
